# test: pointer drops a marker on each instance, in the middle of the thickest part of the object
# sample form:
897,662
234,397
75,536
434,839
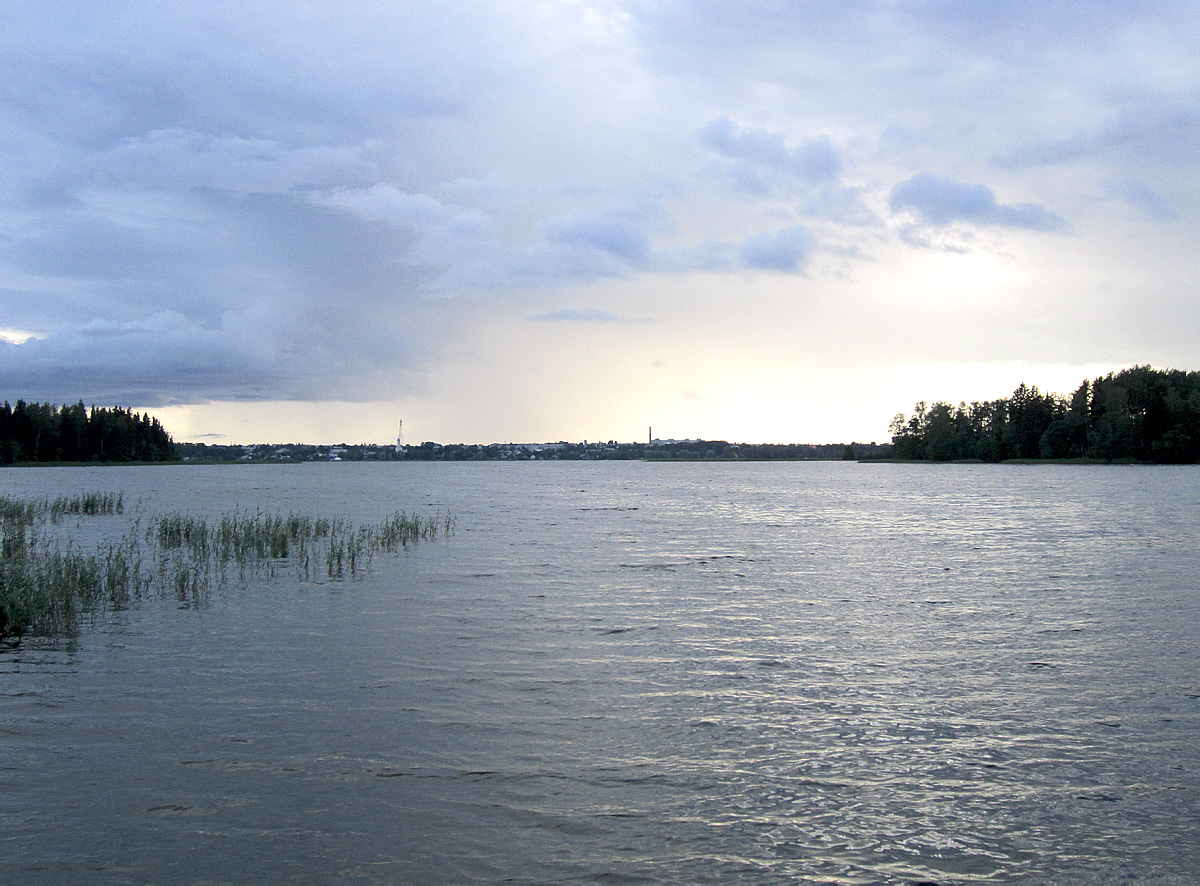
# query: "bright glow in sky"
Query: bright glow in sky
500,221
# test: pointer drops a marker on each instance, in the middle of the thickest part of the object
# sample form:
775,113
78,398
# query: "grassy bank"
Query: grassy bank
47,585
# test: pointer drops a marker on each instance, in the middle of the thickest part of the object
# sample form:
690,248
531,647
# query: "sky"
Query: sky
524,221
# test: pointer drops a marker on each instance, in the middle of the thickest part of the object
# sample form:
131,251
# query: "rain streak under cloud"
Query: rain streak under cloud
561,220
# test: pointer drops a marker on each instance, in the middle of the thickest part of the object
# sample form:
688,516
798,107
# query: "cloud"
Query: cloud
619,233
1141,196
468,253
581,315
756,154
786,250
581,246
288,201
167,358
1161,132
179,158
940,201
761,163
384,202
17,336
150,362
279,300
844,206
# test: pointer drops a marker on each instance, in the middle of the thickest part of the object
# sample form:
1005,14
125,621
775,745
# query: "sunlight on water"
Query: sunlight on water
638,673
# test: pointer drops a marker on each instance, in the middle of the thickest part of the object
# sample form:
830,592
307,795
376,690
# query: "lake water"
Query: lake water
637,672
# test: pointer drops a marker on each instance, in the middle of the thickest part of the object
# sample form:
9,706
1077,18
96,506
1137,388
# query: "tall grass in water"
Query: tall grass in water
87,504
254,543
44,587
400,529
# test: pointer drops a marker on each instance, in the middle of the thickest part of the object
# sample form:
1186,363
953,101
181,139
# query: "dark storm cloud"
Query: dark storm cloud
144,361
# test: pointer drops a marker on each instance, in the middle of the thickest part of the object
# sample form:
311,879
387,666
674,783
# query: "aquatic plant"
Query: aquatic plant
44,588
86,504
45,585
401,528
254,542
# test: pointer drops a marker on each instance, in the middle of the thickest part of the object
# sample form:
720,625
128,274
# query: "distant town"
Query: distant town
693,450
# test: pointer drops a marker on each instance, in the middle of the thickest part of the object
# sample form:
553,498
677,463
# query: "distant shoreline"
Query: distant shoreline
1083,462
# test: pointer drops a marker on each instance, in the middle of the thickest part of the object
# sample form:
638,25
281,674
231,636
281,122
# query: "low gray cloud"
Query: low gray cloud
941,201
162,359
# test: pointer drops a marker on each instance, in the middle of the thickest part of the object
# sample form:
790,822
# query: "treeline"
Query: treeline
1138,414
43,432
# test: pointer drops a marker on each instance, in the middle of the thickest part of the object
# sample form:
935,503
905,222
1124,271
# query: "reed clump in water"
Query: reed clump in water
259,542
87,504
45,586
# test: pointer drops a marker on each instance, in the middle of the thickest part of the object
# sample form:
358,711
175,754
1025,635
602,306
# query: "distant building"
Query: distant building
542,447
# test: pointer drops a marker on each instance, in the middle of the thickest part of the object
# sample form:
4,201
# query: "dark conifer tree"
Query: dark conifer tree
42,432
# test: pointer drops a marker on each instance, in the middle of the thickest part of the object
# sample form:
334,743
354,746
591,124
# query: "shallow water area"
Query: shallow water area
636,672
